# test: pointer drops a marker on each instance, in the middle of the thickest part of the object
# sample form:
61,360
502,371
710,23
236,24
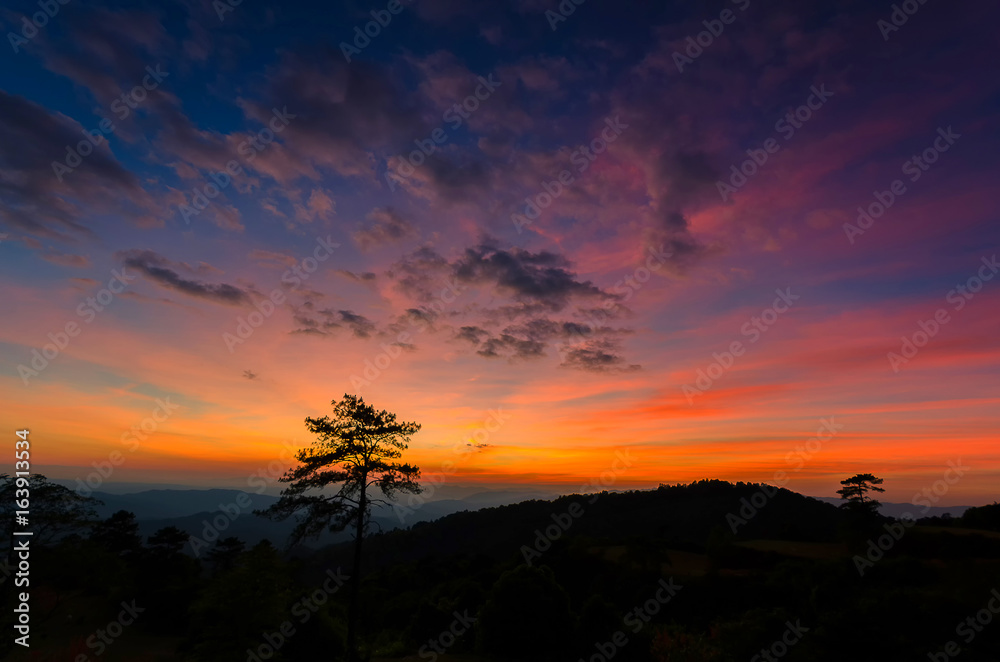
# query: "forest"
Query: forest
637,575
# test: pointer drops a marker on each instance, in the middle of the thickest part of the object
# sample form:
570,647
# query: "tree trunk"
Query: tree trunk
354,616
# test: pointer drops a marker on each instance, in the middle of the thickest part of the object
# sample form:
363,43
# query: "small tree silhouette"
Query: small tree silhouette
223,556
855,493
357,449
118,534
167,542
56,511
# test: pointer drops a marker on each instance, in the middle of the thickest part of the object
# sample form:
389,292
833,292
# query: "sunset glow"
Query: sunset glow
533,326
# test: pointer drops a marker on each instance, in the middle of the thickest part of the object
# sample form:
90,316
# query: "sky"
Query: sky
615,244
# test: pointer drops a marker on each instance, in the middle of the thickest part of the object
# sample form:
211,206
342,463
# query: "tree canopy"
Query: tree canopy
855,493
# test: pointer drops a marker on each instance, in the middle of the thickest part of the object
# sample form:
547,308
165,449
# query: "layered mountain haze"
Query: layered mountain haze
195,511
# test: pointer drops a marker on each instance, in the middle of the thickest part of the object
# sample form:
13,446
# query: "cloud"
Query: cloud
532,281
272,258
163,272
536,300
418,273
319,206
360,325
472,334
107,51
66,259
584,347
36,201
363,277
541,278
135,296
598,355
328,321
511,348
383,226
344,113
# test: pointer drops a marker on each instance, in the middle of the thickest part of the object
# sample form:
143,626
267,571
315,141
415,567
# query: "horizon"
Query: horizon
461,491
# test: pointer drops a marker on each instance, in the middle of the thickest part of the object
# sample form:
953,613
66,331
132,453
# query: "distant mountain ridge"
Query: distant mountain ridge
165,504
193,511
168,503
899,509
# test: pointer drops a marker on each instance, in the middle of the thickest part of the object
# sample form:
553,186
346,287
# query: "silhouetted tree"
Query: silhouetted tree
982,517
224,554
119,533
240,606
357,449
168,541
167,579
55,510
855,493
54,513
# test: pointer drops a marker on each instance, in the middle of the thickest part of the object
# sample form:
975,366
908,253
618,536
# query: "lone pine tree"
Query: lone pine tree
356,449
